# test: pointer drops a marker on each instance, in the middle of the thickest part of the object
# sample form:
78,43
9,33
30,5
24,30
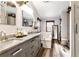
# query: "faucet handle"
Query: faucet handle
3,35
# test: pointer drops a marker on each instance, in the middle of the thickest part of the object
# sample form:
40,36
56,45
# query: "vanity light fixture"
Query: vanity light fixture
69,9
21,2
47,1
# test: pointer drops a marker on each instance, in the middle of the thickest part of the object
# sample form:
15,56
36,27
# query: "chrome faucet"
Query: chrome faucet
2,36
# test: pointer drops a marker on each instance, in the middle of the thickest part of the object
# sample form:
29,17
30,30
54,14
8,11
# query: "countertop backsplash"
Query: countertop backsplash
11,30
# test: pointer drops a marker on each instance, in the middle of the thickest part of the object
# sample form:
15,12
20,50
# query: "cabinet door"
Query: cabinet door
77,29
36,44
26,47
16,51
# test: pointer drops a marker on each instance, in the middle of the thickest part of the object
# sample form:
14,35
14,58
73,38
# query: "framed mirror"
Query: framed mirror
39,24
27,19
7,13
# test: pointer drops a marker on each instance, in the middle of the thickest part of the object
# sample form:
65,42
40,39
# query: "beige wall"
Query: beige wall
64,25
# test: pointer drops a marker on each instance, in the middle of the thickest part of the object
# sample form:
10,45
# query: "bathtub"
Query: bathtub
64,52
60,51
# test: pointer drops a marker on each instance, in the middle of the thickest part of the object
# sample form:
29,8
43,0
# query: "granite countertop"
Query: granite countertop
4,46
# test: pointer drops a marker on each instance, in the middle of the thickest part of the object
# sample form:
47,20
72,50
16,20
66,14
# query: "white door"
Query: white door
55,31
77,30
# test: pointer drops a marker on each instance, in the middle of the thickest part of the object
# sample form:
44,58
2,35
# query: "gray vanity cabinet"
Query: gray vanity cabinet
33,47
28,48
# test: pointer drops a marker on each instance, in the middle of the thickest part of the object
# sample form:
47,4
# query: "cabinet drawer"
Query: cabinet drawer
17,51
6,54
12,52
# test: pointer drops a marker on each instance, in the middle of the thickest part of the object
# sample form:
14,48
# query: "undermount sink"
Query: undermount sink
15,38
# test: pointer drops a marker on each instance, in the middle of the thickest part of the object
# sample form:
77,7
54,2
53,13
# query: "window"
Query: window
49,25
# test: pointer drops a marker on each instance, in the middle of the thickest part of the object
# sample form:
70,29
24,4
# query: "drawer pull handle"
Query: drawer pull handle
17,51
76,28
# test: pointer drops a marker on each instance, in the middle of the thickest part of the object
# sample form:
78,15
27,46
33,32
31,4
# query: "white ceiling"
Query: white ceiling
46,10
50,9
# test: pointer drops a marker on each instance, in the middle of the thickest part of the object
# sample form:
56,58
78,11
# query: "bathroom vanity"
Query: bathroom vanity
27,46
